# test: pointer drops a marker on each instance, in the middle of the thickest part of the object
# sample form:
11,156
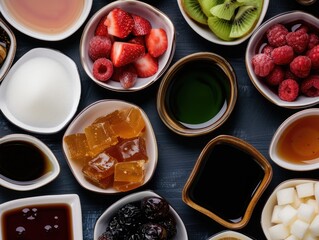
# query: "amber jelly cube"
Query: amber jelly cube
100,170
99,137
78,147
132,149
132,171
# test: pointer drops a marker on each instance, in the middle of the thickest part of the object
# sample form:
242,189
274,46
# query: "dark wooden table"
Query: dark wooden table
254,120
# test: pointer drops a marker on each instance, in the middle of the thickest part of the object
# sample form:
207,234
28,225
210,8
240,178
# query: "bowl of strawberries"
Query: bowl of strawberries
127,45
282,59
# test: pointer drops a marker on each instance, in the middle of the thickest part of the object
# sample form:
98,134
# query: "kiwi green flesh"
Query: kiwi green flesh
225,10
244,21
206,5
194,11
220,27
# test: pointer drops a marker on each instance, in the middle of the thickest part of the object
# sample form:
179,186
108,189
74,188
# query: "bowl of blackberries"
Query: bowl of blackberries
282,59
140,215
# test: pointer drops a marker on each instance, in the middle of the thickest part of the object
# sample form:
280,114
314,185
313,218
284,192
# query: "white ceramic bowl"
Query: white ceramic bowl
267,211
45,104
207,34
5,67
157,19
50,158
86,117
71,201
252,49
228,234
26,28
103,220
303,164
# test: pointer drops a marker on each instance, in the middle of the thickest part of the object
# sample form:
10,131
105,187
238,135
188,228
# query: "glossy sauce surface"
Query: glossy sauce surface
198,94
50,17
226,182
299,143
22,162
50,222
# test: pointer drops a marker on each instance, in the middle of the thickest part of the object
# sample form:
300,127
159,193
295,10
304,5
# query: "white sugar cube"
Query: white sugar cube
291,237
313,203
299,228
287,215
314,226
309,236
305,189
296,203
317,191
275,214
278,232
306,212
286,196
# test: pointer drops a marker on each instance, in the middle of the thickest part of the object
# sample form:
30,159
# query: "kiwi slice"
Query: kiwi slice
194,11
225,10
244,21
220,27
206,5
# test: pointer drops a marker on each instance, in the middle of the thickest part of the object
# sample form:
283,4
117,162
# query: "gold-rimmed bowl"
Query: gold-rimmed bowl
197,94
234,174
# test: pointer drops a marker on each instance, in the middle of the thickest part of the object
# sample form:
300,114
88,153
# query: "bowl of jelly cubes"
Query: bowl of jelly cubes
111,147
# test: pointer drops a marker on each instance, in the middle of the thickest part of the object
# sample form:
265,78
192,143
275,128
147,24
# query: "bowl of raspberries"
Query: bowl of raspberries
127,45
282,59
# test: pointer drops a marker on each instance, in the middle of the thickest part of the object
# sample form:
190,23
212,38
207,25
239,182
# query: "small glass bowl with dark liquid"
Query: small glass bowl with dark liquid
197,94
227,181
26,163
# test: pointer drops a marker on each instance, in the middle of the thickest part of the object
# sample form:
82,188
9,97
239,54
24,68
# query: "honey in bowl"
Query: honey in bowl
299,142
197,97
50,17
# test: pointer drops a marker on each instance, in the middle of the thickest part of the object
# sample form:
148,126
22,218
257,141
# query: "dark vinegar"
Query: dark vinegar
226,182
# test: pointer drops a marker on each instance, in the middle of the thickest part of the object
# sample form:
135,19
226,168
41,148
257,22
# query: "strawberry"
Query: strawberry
156,42
119,23
123,53
139,40
101,29
141,26
146,65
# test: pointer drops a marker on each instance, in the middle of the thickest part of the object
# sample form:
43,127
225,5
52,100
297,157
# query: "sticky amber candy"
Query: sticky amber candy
78,147
99,137
130,125
129,175
100,170
132,149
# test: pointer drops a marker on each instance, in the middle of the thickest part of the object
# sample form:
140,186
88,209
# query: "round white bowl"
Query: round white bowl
24,28
86,117
228,234
272,201
207,34
251,50
312,165
43,180
49,114
103,220
11,52
71,200
157,19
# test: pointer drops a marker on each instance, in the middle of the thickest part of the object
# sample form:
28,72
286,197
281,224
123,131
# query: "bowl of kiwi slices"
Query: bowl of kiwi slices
224,22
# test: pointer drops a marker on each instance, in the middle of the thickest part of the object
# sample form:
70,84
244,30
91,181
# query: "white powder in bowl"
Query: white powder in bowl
40,93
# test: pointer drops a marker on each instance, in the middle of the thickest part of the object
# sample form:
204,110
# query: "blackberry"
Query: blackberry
130,216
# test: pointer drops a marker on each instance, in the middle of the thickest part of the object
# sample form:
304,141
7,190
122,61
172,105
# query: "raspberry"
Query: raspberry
288,90
282,55
102,69
313,40
99,47
276,35
310,86
300,66
313,54
276,76
267,49
298,40
289,74
262,64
